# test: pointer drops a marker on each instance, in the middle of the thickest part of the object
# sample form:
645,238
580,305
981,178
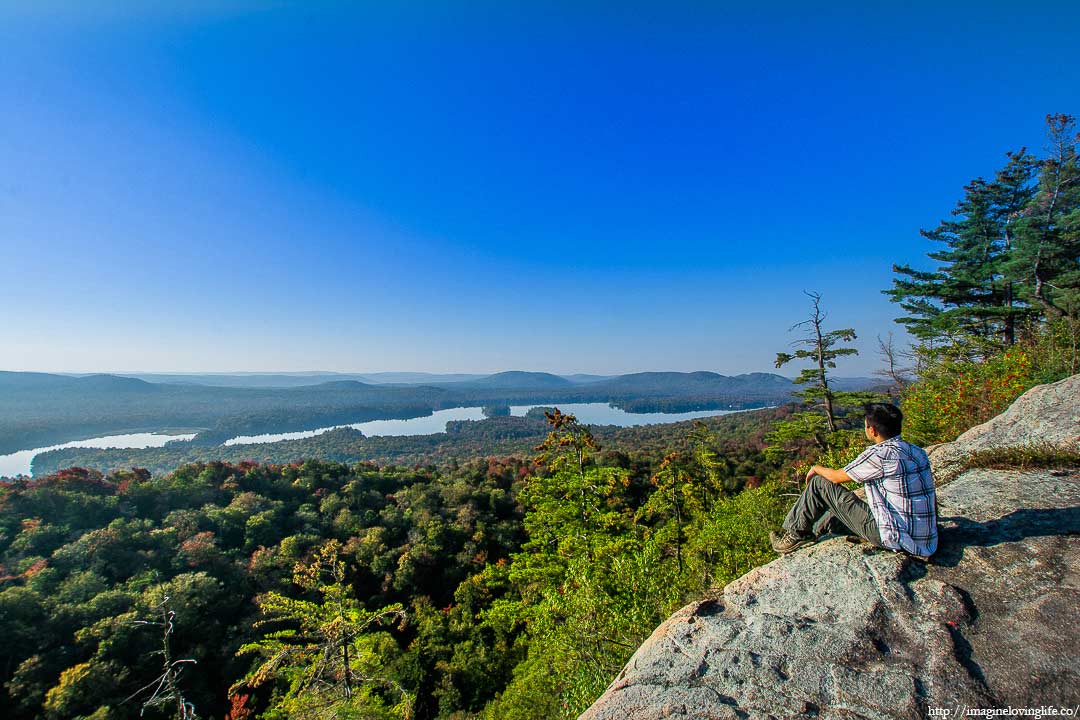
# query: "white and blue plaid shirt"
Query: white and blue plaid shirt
900,492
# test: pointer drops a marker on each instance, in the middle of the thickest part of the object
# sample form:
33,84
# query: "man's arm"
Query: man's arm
833,475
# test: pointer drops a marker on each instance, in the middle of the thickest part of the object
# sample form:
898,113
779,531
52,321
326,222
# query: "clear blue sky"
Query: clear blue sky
479,186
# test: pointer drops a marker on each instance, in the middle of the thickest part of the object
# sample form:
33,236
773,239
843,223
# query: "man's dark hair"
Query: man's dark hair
885,418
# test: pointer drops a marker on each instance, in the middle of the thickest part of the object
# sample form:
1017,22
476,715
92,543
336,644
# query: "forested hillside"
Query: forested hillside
463,440
38,409
462,584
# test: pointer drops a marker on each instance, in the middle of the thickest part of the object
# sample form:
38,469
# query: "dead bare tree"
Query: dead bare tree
899,376
165,688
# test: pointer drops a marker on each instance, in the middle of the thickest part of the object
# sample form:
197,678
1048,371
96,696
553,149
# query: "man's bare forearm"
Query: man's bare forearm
833,475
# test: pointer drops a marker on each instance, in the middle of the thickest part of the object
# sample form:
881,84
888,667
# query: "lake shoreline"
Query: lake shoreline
595,414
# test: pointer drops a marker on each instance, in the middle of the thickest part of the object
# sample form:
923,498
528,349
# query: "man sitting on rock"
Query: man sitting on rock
902,510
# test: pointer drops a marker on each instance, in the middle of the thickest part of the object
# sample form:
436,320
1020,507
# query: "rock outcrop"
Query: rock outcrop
1045,415
841,630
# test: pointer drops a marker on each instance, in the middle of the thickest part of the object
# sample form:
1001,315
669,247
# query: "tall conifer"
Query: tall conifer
1046,264
821,348
970,294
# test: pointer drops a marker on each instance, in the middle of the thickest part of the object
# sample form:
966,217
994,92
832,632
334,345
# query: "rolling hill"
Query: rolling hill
38,409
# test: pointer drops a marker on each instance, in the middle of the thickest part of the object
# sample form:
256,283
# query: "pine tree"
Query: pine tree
575,500
1011,258
1046,265
676,489
703,446
822,426
326,651
823,353
971,296
586,589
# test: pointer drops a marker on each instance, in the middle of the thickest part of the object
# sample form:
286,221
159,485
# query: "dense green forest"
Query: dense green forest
499,587
464,584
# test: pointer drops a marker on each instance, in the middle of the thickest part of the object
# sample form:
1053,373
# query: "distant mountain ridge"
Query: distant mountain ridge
20,381
39,409
650,383
523,380
252,380
658,380
653,382
421,378
584,378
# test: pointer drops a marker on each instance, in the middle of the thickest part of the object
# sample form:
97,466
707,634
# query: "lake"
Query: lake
18,463
589,413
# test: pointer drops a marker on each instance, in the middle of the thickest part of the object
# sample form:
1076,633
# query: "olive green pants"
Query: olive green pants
827,508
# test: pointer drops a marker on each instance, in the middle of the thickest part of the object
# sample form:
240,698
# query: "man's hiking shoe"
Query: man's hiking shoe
787,542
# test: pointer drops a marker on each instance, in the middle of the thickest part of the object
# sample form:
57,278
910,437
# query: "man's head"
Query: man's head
884,419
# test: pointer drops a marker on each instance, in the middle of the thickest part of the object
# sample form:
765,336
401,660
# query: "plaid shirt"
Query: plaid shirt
900,492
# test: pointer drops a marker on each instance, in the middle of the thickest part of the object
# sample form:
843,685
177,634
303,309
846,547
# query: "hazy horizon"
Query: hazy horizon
240,373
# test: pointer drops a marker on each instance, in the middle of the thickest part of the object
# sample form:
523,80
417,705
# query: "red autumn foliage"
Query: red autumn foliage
239,709
75,479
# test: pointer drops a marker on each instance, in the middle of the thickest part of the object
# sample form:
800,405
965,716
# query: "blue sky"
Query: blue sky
472,187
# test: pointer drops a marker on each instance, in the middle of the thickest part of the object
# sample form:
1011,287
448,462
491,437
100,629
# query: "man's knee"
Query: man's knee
818,483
